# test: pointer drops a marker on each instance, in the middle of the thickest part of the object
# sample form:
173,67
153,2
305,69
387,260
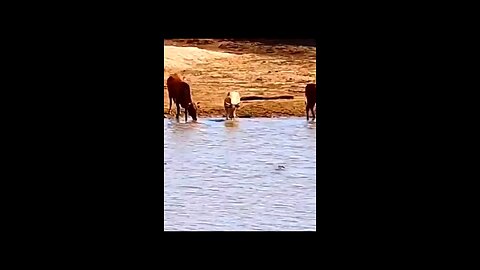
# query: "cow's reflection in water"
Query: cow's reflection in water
231,123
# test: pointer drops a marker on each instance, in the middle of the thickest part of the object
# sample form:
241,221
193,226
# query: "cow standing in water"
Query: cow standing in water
231,103
311,98
179,92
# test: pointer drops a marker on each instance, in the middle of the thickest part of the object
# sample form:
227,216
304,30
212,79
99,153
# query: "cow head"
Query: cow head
192,110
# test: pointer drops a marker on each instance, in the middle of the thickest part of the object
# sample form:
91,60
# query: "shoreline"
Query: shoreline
255,68
252,109
165,116
171,116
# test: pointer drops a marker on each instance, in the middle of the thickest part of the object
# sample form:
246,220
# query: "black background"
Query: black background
87,129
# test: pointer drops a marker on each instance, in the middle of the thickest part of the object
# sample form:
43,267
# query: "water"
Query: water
249,174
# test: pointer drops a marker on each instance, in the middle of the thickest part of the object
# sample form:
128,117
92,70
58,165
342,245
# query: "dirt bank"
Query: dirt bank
213,67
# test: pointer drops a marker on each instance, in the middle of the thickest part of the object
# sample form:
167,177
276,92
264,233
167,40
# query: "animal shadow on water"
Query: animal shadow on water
181,121
312,124
231,123
185,132
182,125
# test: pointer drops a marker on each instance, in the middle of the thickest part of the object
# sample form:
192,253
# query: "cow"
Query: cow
311,99
179,92
173,83
231,104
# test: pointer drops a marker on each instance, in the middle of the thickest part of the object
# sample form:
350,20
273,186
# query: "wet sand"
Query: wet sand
252,68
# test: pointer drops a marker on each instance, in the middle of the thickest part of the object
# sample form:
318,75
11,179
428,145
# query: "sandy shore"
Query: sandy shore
214,67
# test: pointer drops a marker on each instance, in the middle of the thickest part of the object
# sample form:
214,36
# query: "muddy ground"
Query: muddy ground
254,68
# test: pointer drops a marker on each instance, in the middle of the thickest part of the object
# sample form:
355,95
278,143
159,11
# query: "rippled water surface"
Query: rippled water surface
249,174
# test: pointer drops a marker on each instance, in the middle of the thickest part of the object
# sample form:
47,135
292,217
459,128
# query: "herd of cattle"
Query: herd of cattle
179,92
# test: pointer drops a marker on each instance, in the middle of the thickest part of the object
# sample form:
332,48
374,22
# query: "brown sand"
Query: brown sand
256,69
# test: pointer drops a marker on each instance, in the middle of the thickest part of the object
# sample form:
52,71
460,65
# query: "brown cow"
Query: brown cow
179,91
311,98
172,85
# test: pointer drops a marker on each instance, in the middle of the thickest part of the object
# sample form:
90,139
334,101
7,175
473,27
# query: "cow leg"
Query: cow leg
186,115
313,113
170,107
178,112
306,108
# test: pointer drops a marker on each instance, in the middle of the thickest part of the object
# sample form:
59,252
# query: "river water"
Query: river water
242,175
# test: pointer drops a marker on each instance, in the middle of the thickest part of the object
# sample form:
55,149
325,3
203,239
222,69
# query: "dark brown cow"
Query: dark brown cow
311,96
179,91
172,85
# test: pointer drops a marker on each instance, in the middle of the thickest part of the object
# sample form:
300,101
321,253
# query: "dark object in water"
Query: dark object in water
216,120
264,98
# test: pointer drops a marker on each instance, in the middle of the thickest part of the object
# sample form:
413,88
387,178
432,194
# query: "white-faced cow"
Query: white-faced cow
231,104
